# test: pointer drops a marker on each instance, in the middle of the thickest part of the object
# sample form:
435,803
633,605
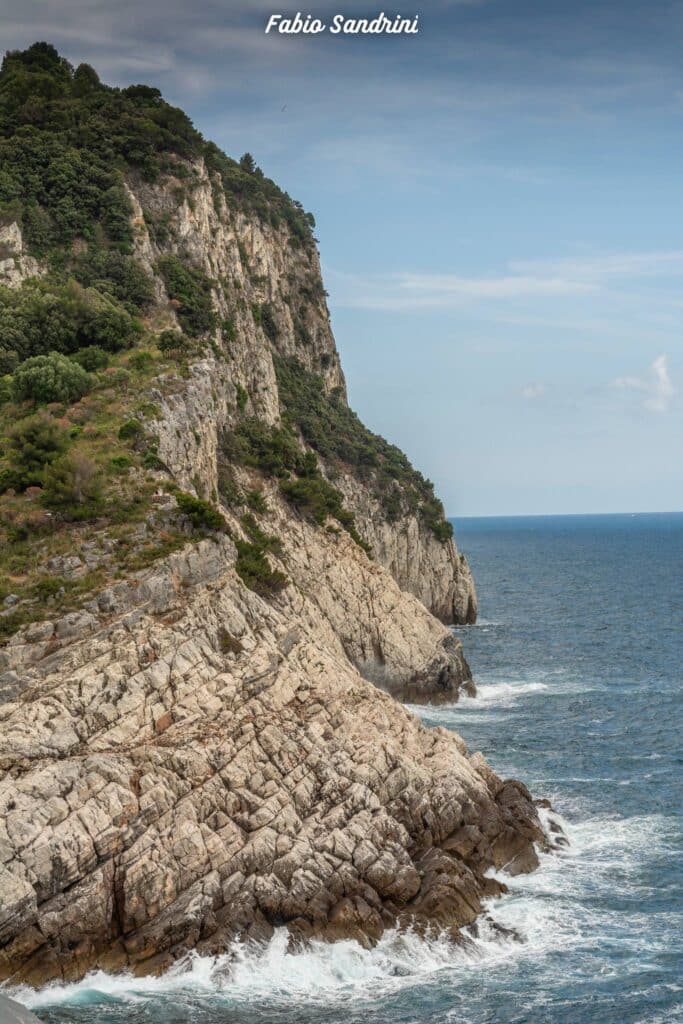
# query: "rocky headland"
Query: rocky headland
219,586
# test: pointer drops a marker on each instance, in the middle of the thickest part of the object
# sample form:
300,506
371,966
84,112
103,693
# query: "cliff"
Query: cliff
216,580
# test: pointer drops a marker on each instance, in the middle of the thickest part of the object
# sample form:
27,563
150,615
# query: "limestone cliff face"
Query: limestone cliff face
433,570
187,762
16,265
252,264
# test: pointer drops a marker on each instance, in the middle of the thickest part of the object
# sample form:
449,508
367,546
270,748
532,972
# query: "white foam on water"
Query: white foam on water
250,973
548,910
489,696
563,904
561,907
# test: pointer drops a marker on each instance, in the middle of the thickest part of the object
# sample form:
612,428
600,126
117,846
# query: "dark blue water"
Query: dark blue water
578,661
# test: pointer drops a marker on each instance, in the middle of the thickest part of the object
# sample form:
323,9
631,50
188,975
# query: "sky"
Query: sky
498,208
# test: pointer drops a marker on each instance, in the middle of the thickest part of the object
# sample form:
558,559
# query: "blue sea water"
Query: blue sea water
577,656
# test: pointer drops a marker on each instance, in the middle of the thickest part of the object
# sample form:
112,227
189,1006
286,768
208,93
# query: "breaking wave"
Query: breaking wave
546,912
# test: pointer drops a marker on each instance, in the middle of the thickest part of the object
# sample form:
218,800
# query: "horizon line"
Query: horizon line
551,515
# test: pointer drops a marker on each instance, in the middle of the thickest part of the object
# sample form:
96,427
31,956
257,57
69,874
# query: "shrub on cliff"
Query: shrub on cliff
92,358
172,343
73,487
316,498
116,274
32,445
330,427
255,570
51,378
254,443
49,315
202,514
190,289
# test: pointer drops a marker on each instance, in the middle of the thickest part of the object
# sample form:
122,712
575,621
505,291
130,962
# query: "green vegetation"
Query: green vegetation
252,565
190,290
131,430
50,378
172,343
202,514
31,446
50,315
276,451
73,486
116,275
92,358
317,499
67,140
256,501
335,432
267,542
267,321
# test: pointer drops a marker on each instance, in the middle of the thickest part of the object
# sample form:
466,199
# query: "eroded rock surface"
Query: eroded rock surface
186,763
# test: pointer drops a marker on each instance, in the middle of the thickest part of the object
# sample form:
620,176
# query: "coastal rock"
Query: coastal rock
260,265
186,762
165,791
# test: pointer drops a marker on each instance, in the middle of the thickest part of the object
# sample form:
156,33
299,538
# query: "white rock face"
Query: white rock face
15,263
258,264
186,762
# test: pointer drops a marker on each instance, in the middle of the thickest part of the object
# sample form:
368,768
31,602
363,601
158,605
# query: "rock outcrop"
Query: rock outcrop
256,262
212,746
16,265
186,763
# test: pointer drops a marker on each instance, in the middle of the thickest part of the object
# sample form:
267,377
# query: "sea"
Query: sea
577,657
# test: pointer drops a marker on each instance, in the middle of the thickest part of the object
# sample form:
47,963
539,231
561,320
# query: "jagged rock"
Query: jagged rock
15,263
167,794
186,762
194,415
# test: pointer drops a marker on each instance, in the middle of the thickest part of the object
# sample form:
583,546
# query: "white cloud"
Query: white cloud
533,390
405,291
656,386
598,266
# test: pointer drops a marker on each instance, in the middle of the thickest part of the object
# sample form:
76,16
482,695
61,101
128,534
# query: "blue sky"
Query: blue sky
498,202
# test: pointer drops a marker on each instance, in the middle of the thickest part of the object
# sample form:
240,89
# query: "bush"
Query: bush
131,430
52,315
171,342
254,443
254,569
73,486
256,501
190,289
51,378
33,444
91,358
317,499
202,514
242,397
116,274
265,541
141,360
268,322
8,361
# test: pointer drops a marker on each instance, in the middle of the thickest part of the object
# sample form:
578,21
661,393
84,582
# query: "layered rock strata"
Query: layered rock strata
186,763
